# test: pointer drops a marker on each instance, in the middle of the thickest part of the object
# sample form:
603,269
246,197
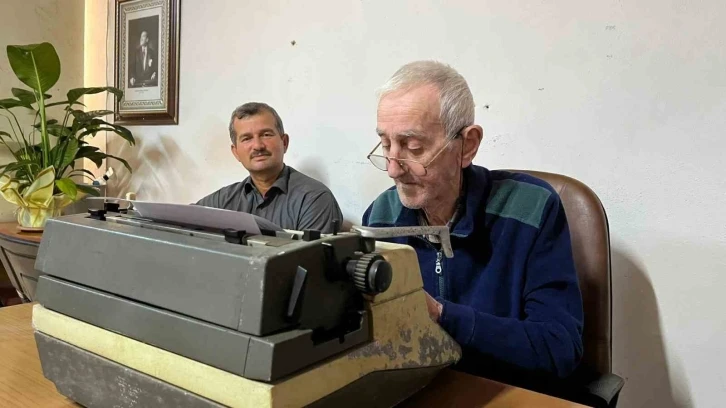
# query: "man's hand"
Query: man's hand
435,308
153,76
133,81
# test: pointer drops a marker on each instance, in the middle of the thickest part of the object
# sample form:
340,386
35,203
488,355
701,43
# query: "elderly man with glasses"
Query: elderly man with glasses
510,295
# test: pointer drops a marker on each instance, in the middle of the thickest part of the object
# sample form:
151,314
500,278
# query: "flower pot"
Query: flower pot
34,216
36,203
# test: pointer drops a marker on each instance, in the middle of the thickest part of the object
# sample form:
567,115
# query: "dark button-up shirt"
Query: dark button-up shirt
294,201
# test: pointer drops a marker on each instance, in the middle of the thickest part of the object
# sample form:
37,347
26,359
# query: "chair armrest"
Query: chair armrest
605,389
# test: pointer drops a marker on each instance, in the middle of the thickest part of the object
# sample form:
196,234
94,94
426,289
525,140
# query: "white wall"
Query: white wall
629,97
97,36
59,22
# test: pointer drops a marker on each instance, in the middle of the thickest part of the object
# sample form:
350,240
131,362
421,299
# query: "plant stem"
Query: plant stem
73,174
59,175
4,143
65,118
20,129
25,141
15,135
14,153
45,142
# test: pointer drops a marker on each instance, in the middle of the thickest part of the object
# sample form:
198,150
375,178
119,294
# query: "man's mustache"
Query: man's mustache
260,153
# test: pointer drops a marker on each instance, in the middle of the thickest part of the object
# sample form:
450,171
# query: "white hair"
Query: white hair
455,99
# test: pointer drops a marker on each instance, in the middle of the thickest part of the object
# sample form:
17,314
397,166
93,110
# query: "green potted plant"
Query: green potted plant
42,177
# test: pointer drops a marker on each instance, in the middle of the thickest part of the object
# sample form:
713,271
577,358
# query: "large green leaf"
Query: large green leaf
68,148
63,103
82,116
91,126
35,65
26,96
76,93
88,190
22,166
94,126
47,123
84,173
124,133
13,166
28,155
125,163
96,157
121,133
68,187
58,130
91,130
84,151
10,103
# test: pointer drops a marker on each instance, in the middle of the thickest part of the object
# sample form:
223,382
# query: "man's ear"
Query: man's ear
471,137
285,141
233,148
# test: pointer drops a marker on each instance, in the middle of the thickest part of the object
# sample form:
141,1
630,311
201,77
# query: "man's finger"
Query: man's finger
434,308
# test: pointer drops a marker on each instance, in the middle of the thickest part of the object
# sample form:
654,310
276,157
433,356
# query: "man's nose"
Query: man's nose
258,144
394,169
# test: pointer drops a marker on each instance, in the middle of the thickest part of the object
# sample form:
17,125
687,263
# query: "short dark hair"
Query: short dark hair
252,109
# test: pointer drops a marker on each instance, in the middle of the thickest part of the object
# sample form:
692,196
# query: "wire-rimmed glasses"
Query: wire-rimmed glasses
414,167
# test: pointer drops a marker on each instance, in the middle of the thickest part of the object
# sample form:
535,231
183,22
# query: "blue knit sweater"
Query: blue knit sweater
510,294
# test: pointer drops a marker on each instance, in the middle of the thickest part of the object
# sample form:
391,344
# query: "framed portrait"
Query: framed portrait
146,62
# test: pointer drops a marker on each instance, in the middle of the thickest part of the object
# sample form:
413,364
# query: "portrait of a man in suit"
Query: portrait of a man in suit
143,59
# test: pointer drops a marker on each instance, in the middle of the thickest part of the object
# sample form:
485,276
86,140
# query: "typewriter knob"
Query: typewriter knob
111,207
371,273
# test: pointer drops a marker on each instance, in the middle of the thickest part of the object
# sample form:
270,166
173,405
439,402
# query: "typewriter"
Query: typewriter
141,312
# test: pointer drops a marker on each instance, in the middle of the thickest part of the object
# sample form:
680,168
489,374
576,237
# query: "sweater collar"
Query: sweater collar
476,183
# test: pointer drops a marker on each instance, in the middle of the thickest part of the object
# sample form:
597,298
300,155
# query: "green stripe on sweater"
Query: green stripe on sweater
386,208
521,201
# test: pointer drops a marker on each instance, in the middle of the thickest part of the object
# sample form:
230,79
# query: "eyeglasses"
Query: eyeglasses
409,165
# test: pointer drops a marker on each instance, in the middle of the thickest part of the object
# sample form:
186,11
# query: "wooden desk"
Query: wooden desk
455,389
21,380
22,383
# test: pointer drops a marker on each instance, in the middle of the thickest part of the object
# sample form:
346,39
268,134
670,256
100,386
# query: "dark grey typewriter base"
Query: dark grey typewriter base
94,381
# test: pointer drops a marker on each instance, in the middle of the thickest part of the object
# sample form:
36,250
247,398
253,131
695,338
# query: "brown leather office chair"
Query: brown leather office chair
593,382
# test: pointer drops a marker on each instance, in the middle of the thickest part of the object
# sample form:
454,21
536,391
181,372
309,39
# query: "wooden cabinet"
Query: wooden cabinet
18,251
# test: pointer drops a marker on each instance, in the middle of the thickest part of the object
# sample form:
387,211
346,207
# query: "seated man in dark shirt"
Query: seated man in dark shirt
273,190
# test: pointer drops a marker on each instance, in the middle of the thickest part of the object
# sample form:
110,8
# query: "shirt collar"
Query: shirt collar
283,179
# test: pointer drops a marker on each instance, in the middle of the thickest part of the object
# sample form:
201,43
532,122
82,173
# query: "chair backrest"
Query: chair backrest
591,251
